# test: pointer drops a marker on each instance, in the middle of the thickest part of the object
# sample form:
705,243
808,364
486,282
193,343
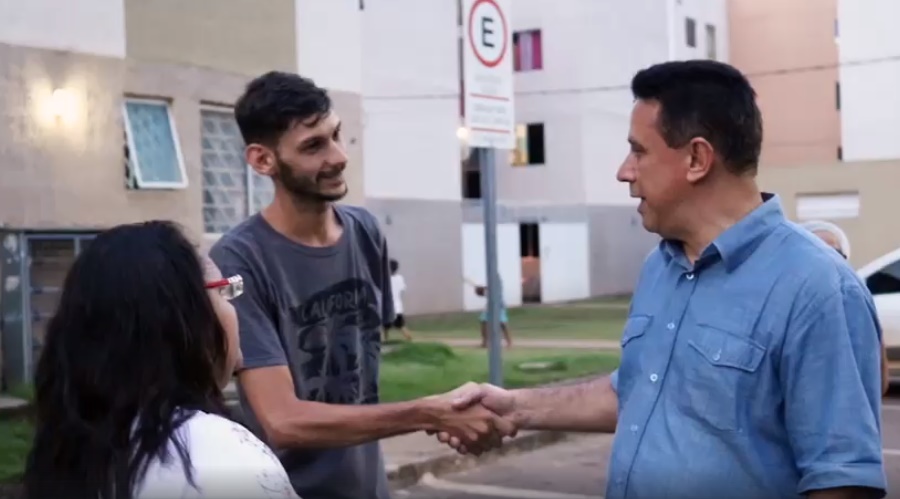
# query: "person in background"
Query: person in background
504,317
117,422
836,238
398,287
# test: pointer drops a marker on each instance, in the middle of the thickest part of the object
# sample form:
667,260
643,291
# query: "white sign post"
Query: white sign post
490,121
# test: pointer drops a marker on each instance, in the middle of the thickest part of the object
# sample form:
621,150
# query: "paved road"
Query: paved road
575,469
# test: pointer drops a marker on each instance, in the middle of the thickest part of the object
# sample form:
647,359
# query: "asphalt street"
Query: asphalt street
576,468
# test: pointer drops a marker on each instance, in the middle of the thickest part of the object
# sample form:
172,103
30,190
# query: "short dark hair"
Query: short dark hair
275,102
395,265
709,99
134,350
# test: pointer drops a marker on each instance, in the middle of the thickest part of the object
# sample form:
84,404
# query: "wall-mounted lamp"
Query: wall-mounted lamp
462,133
63,104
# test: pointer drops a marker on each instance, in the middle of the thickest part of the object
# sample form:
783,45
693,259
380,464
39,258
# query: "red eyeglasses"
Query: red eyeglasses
229,288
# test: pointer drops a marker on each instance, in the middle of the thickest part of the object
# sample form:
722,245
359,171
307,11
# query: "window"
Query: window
529,145
231,189
690,32
527,51
471,175
152,155
886,280
711,42
837,95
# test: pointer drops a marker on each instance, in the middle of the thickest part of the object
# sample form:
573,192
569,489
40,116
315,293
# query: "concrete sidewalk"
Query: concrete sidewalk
532,343
410,457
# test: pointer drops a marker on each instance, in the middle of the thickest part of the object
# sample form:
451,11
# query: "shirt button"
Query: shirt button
654,377
634,427
670,326
690,277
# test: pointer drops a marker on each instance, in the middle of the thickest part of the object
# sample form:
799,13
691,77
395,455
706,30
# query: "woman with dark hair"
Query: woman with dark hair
128,388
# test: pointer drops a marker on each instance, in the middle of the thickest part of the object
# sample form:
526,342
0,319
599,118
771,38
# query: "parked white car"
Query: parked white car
882,277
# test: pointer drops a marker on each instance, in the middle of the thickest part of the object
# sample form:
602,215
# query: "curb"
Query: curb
407,475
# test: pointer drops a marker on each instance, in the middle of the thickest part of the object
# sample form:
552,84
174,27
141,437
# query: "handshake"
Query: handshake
474,418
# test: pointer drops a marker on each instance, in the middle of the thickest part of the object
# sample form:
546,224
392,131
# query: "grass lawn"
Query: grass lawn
408,371
415,370
596,319
15,439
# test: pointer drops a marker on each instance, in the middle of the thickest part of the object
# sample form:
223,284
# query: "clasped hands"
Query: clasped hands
474,418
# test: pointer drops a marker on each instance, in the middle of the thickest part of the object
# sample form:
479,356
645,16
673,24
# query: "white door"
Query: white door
474,264
565,264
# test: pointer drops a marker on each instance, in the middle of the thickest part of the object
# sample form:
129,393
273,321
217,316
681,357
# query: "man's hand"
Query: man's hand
486,396
467,425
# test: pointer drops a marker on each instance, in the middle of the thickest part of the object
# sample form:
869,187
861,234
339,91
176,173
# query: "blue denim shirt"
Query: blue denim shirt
753,373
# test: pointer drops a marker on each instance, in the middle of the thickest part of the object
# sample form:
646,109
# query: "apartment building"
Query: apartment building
825,71
121,110
568,229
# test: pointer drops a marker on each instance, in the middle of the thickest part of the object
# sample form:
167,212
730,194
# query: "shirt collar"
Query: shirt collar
739,241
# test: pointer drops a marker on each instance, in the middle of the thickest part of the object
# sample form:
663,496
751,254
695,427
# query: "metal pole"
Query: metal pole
486,158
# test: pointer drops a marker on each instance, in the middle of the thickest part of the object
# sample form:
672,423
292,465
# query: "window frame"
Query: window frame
526,126
517,37
133,160
690,32
248,170
712,41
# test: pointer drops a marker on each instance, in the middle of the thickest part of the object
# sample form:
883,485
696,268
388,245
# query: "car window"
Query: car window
886,280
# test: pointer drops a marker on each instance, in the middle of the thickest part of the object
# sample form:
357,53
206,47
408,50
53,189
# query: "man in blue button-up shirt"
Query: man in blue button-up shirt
750,358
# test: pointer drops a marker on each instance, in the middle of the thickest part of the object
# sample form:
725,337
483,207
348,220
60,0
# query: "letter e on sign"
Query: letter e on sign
487,73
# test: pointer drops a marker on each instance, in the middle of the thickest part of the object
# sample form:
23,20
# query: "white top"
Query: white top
398,286
228,462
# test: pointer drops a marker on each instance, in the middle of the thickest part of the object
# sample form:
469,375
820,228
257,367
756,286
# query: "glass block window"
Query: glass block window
153,156
231,189
262,190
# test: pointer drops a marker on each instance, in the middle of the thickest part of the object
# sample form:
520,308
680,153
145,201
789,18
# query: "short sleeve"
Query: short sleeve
229,461
225,460
831,377
261,344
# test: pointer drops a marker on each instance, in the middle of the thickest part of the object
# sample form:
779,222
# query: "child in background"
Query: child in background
504,318
398,286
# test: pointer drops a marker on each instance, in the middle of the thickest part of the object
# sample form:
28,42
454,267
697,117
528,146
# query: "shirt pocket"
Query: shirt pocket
630,363
719,370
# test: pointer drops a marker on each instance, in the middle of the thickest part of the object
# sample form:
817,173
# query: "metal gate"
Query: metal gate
32,271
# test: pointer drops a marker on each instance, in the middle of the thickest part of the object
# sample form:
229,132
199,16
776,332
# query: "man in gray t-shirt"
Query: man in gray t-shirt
326,306
316,292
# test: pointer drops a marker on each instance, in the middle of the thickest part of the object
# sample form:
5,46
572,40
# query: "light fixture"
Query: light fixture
462,133
63,104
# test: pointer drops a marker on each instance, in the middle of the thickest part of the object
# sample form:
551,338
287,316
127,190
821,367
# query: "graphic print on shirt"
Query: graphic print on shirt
338,339
273,481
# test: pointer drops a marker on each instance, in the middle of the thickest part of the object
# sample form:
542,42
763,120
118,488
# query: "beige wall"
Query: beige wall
70,174
247,37
876,231
802,124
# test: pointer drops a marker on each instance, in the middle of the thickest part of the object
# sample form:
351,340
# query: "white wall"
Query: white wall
703,12
508,259
870,101
411,99
329,43
586,124
87,26
564,262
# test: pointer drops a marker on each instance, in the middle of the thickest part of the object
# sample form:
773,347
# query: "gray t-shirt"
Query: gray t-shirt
319,312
